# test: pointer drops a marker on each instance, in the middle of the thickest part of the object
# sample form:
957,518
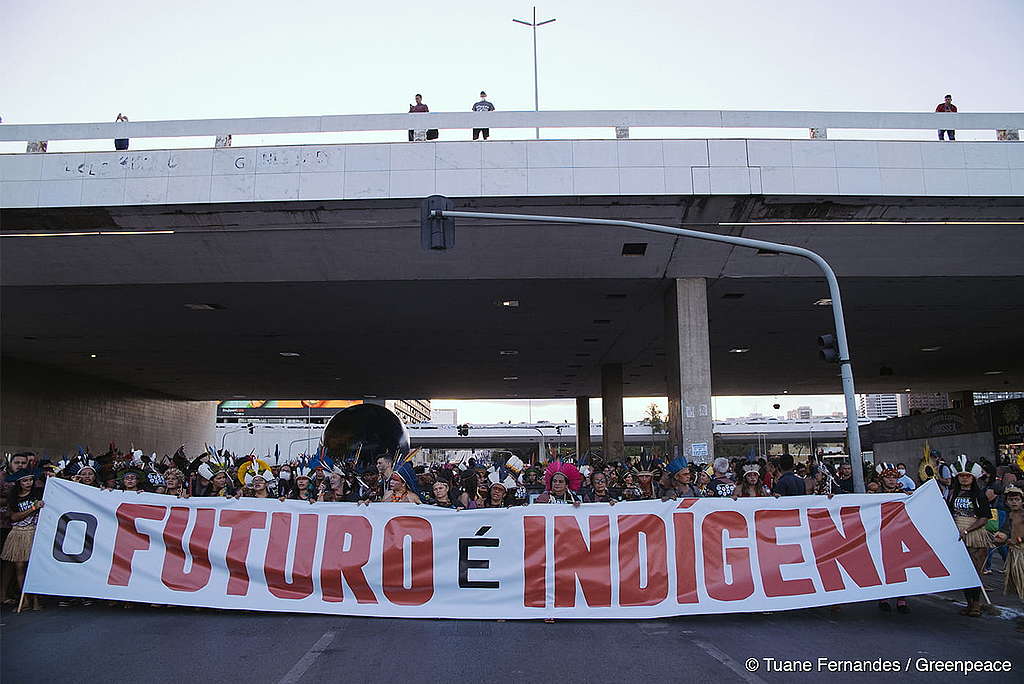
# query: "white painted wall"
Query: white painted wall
523,167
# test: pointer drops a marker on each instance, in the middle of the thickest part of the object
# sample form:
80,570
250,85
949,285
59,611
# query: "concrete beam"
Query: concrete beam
688,369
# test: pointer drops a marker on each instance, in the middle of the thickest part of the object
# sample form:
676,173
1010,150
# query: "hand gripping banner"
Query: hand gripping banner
632,560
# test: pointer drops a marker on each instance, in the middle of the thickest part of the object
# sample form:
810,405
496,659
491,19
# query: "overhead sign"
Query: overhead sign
634,560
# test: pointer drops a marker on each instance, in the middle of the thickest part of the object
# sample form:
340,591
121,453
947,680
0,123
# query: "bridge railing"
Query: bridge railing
1006,124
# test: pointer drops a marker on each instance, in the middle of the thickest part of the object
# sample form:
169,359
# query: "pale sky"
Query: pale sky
74,61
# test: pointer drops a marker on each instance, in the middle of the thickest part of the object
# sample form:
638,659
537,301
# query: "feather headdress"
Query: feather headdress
571,473
962,465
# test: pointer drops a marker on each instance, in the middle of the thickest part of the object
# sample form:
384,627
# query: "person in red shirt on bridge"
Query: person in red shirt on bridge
947,106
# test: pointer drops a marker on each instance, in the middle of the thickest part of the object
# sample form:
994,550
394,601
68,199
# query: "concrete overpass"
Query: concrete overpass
196,274
295,438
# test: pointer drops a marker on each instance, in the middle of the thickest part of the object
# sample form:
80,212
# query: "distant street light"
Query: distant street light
536,92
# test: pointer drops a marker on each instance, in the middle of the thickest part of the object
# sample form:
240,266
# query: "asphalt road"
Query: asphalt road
143,644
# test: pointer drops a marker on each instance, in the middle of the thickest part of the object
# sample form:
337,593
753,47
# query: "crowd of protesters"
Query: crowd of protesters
983,500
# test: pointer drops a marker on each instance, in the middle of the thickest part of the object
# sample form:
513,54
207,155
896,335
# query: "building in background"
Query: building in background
878,406
989,397
913,403
444,416
411,411
800,413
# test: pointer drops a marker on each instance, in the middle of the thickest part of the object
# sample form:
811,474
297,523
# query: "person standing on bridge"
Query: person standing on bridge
947,106
482,106
121,144
420,108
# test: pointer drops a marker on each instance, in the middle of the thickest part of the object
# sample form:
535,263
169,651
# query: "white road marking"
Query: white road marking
723,658
299,669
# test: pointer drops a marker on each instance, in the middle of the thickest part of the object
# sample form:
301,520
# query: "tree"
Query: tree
653,417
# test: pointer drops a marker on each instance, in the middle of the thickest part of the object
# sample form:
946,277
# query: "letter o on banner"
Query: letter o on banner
393,561
61,533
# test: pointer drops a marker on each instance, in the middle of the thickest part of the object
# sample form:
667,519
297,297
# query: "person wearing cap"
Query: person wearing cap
482,106
25,503
971,512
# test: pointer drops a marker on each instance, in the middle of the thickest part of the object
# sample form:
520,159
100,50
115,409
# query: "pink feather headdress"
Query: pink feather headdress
572,474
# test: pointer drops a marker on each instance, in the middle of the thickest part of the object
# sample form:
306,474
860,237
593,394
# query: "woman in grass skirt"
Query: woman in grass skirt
971,512
25,503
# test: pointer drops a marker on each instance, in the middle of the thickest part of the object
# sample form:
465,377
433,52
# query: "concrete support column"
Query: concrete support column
688,372
582,425
613,431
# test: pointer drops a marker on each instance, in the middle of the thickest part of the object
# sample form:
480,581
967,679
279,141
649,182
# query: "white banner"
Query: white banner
639,559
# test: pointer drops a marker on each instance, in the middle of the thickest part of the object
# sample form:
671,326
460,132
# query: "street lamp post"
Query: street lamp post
231,432
845,367
296,441
536,91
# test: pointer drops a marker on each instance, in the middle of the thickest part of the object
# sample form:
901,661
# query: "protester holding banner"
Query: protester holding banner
680,481
404,485
471,496
442,494
25,502
598,490
722,484
971,512
562,482
87,475
889,483
751,484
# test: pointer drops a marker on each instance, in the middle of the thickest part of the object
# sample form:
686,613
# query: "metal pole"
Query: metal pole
846,370
225,436
296,441
536,88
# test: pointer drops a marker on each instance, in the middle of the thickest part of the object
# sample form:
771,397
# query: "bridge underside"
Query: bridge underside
345,285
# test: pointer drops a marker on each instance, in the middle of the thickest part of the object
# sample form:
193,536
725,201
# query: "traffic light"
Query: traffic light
464,430
828,351
436,233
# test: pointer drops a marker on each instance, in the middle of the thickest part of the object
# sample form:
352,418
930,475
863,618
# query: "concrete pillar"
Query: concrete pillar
688,370
613,432
582,425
